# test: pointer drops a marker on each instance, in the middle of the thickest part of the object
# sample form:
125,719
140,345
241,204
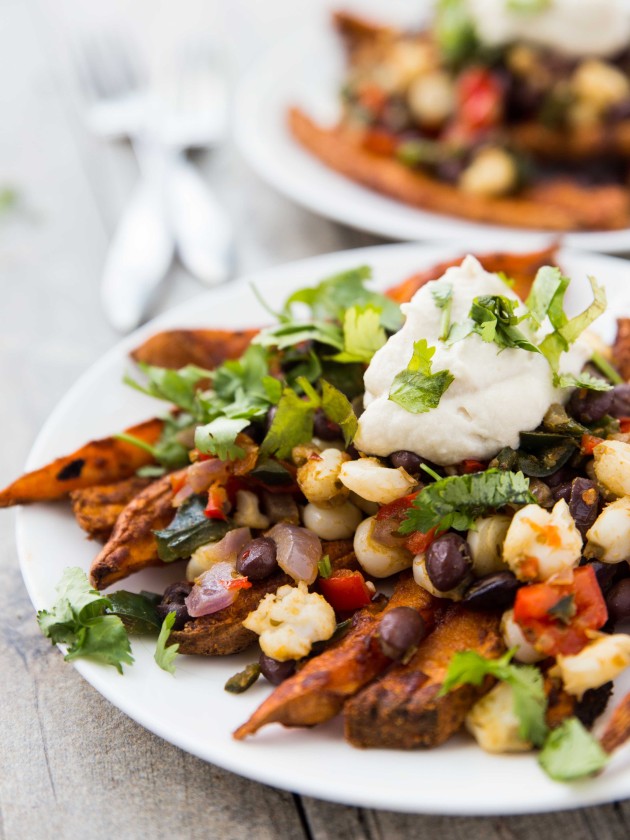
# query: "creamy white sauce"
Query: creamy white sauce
494,396
574,27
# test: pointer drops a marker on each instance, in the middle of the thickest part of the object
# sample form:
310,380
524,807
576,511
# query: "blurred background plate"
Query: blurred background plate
307,70
192,710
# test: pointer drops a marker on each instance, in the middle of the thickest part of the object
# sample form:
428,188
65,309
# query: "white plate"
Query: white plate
307,70
192,710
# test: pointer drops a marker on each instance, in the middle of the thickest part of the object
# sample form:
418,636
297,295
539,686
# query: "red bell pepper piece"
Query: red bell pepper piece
417,543
217,503
588,444
345,591
555,617
479,98
470,465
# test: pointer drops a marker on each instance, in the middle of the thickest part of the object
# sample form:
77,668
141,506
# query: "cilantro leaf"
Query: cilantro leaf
495,321
454,31
546,296
218,437
175,386
164,656
292,423
416,389
290,333
456,501
363,335
571,752
582,380
170,452
78,619
324,568
442,294
526,682
331,298
338,408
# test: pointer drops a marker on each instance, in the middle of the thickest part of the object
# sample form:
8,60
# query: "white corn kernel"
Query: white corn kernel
608,539
600,661
431,98
248,514
542,543
485,540
338,522
492,173
514,638
319,477
599,84
494,724
612,466
376,559
369,479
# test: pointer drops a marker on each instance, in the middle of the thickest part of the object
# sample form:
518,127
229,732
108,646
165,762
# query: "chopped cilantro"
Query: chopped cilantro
175,386
338,408
416,389
324,568
79,619
456,501
165,656
363,335
582,380
289,333
442,294
571,752
564,610
546,296
218,438
494,319
454,31
526,682
604,366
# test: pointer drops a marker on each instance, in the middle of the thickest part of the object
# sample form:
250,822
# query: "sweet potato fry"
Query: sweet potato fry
554,205
205,348
579,143
621,348
319,690
96,509
617,730
222,633
132,545
521,268
403,709
101,461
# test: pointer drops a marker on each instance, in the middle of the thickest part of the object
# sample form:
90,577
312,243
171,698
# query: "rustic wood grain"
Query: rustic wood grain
71,765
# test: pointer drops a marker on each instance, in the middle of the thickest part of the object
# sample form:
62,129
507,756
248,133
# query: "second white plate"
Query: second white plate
307,70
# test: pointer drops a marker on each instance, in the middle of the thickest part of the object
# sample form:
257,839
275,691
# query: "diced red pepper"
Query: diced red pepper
372,97
555,617
217,503
396,509
588,444
238,583
177,482
345,591
380,141
470,465
417,543
624,425
479,98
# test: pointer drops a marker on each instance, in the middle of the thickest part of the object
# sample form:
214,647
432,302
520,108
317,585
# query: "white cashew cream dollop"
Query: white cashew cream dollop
495,395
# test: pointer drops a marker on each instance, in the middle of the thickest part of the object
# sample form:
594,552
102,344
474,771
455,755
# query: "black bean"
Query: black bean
324,428
409,461
448,562
275,671
589,406
583,503
400,631
605,574
173,601
562,491
621,401
618,601
496,591
258,559
541,492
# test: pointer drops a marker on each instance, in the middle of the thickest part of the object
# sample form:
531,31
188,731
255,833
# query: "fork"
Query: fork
170,203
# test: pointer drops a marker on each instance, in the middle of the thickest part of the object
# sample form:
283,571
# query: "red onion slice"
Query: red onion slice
211,594
202,474
227,549
299,551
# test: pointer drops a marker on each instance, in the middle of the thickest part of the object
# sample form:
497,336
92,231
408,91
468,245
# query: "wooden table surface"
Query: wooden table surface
72,765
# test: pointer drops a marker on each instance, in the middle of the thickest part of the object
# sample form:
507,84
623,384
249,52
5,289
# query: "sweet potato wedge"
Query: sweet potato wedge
621,348
132,545
96,509
577,143
521,268
319,690
101,461
222,633
617,729
403,709
204,348
554,205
